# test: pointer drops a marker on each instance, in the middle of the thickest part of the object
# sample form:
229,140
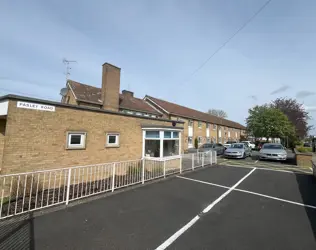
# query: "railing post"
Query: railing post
113,177
203,159
215,157
68,186
193,161
164,168
143,171
198,157
211,158
180,164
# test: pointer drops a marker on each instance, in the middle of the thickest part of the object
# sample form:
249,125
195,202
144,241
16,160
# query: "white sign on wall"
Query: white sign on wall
36,106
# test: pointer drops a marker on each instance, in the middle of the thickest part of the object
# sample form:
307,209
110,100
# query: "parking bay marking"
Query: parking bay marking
177,234
249,192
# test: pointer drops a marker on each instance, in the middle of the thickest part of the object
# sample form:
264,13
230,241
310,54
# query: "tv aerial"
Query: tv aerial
68,68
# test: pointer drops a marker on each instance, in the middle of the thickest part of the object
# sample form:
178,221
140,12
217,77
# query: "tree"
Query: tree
265,121
217,112
196,143
243,138
296,113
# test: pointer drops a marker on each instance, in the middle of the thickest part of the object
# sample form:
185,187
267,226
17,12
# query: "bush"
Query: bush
196,143
304,149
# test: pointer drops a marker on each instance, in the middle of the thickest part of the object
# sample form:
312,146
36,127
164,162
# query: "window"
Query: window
167,134
208,139
175,134
214,126
112,140
199,124
152,148
76,140
190,123
161,143
207,125
190,140
152,134
200,139
170,147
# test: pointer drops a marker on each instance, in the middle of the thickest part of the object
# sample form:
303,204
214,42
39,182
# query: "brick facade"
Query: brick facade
36,139
2,136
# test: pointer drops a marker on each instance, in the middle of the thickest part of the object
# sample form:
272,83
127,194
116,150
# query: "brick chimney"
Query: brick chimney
110,86
128,93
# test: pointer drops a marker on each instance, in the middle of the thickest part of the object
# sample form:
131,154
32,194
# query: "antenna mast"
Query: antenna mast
68,68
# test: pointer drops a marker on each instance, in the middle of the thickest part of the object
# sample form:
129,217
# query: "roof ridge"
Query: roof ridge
69,80
177,104
195,110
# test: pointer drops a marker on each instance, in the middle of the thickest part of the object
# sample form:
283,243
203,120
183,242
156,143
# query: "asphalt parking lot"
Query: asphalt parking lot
254,161
218,207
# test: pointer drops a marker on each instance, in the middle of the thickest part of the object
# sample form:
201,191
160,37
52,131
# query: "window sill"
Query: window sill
112,146
83,148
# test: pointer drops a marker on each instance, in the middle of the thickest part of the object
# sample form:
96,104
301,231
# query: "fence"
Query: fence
24,192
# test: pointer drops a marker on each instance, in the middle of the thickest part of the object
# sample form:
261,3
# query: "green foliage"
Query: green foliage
265,121
296,114
304,149
196,143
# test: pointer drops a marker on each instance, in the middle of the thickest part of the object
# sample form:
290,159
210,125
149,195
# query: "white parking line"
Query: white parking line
261,168
250,192
256,161
203,182
177,234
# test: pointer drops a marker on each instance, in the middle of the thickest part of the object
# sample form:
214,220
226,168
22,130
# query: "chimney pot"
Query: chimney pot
128,93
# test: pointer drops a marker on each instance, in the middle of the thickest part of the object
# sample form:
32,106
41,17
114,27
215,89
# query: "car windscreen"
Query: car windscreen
272,146
237,146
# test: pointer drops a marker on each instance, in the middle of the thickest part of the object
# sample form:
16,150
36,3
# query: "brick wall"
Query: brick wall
37,139
2,134
70,97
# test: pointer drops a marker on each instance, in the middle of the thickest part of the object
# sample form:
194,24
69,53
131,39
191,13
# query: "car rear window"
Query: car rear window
272,146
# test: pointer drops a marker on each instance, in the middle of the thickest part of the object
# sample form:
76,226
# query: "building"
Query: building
97,125
197,124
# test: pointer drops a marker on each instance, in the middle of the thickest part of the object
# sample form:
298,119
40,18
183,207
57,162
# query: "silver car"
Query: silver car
273,151
238,150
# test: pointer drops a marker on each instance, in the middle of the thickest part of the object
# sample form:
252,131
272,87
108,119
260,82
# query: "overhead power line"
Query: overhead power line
230,38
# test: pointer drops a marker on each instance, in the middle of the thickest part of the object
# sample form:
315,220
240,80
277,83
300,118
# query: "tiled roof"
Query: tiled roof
178,110
90,94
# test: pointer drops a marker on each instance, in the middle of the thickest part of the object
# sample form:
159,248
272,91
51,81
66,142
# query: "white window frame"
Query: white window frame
190,123
214,126
82,144
161,139
117,140
207,125
200,124
200,139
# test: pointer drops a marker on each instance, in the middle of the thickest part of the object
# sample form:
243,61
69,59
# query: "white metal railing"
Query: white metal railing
24,192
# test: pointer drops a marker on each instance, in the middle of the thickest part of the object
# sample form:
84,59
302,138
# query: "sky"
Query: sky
159,45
